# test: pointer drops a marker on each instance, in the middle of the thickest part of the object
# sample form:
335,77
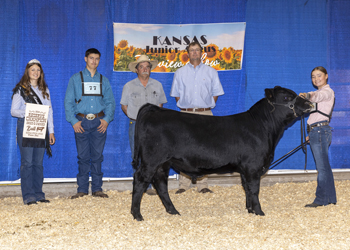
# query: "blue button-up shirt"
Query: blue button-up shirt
88,104
196,86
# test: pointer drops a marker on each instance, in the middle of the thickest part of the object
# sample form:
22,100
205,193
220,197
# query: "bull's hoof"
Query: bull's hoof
261,213
137,217
173,212
251,211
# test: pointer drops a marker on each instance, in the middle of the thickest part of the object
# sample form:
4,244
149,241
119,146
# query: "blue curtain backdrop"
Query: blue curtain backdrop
284,41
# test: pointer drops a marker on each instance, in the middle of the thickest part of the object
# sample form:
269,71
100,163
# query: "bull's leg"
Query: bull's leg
251,186
160,182
139,187
248,201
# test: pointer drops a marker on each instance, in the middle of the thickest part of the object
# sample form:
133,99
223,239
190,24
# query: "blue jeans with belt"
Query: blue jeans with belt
90,145
320,140
31,171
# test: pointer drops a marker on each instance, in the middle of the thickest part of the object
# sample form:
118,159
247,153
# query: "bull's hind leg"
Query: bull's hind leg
140,185
251,187
160,182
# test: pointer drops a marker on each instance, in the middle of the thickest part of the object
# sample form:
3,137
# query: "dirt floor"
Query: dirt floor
207,221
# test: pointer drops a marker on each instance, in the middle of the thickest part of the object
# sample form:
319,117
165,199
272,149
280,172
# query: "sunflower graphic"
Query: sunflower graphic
160,69
171,56
123,44
217,67
227,55
238,55
212,51
184,58
131,50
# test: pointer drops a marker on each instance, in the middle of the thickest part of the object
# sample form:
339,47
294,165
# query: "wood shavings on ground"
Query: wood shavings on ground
207,221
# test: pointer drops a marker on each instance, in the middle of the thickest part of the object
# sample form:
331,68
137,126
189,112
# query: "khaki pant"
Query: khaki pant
184,180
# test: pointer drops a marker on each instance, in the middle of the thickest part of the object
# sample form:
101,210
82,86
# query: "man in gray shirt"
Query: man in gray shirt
140,91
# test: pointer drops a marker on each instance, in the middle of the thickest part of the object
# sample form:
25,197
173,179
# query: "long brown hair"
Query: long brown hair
25,81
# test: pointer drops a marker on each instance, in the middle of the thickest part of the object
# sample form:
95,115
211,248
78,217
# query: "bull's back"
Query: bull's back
172,131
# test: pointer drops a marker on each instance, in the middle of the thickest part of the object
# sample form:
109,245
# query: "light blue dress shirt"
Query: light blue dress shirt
196,87
88,104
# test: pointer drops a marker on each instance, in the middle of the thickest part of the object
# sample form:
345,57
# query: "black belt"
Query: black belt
319,124
196,109
91,116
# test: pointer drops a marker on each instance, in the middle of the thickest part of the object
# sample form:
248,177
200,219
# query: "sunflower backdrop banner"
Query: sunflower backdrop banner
222,44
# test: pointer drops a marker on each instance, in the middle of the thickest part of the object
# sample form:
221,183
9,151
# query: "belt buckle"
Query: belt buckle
90,116
308,128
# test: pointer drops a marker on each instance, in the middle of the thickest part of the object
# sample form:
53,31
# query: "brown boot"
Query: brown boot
151,192
99,194
180,191
205,190
78,195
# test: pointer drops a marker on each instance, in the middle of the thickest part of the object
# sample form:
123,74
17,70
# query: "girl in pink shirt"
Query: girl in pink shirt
320,136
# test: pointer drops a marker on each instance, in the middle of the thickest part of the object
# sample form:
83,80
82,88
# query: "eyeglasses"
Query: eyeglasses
194,50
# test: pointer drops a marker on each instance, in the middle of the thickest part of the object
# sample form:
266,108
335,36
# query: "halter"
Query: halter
289,105
303,135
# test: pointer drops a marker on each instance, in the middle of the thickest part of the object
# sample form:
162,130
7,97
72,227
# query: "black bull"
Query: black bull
198,145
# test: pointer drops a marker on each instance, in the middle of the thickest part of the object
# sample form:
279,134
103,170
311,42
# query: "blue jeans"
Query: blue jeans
31,171
320,140
90,145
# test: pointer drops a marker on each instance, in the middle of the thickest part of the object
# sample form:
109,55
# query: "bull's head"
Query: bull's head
288,98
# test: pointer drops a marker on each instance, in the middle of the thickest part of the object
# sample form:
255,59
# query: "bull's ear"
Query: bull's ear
269,94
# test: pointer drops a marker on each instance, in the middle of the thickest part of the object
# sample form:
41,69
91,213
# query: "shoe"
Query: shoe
44,201
180,191
31,203
313,205
78,195
151,192
99,194
205,190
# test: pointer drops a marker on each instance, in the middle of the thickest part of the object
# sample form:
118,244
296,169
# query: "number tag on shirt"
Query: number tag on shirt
92,89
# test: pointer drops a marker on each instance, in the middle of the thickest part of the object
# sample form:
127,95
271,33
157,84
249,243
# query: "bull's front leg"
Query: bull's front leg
248,201
251,187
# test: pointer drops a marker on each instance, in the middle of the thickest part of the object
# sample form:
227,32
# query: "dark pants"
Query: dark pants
32,176
90,145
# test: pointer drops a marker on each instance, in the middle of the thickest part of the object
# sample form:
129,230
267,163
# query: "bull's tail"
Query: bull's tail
136,158
144,110
135,161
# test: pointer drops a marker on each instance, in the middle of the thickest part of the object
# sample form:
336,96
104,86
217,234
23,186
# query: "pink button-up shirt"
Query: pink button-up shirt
324,98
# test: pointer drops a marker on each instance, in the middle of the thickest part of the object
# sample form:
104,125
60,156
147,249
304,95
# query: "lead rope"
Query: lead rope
303,139
302,145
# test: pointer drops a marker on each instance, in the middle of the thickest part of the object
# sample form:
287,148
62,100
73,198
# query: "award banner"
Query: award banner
222,44
35,121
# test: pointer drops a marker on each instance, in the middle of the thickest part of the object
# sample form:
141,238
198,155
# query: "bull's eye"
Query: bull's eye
287,98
